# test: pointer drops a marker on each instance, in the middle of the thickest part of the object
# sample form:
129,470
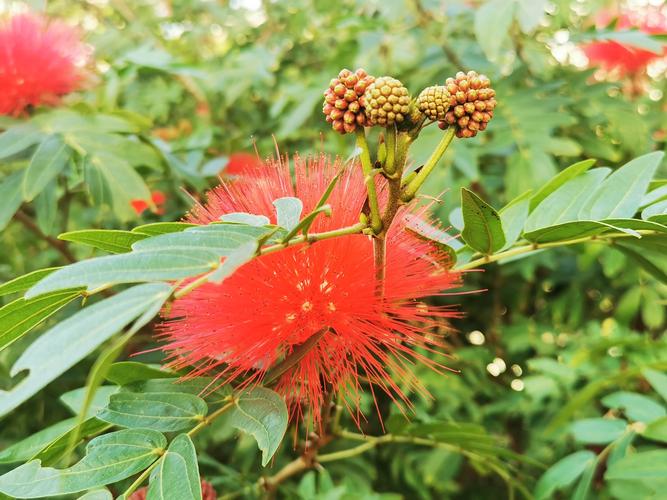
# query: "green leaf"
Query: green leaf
556,182
584,485
657,380
649,252
28,447
564,204
620,195
46,208
513,217
220,239
109,458
237,257
75,400
563,473
262,413
67,343
17,139
59,447
656,430
245,218
432,234
657,209
162,411
157,228
114,241
103,494
132,267
288,211
49,160
529,14
10,197
128,372
579,229
194,386
20,316
483,230
123,182
492,26
646,469
598,430
636,407
177,476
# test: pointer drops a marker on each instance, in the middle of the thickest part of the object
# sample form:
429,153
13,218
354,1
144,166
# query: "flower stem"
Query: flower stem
365,157
413,186
534,247
389,166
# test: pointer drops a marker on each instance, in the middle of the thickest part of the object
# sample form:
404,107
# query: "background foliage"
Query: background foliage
556,342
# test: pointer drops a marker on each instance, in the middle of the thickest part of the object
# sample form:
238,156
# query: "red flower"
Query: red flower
274,303
40,60
612,55
157,201
240,163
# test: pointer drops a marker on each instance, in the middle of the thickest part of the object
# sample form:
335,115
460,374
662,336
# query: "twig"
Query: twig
58,245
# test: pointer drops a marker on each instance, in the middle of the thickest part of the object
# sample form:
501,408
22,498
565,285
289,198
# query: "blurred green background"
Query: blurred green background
550,337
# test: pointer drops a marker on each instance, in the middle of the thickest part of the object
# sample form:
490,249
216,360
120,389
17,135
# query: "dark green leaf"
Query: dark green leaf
109,240
10,197
157,228
483,230
20,316
262,413
177,476
109,458
17,139
49,160
59,447
127,372
28,447
162,411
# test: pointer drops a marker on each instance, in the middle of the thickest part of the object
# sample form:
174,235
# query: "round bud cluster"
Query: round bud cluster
387,102
472,101
344,100
434,102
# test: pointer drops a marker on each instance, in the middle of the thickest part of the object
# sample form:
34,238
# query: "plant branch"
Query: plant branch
366,166
413,186
534,247
56,244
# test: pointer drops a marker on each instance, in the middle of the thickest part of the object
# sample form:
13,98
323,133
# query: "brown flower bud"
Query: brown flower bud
475,101
344,97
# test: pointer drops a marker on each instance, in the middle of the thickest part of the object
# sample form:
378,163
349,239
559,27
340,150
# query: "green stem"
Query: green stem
413,186
389,166
367,168
512,252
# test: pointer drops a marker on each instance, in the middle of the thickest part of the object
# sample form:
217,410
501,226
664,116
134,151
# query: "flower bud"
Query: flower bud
343,100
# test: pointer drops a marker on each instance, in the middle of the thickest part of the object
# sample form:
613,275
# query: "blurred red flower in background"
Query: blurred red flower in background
277,301
157,201
626,58
40,60
239,163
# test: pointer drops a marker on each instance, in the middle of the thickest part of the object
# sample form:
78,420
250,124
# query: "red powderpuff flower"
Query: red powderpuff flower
158,199
625,58
240,328
240,163
40,60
